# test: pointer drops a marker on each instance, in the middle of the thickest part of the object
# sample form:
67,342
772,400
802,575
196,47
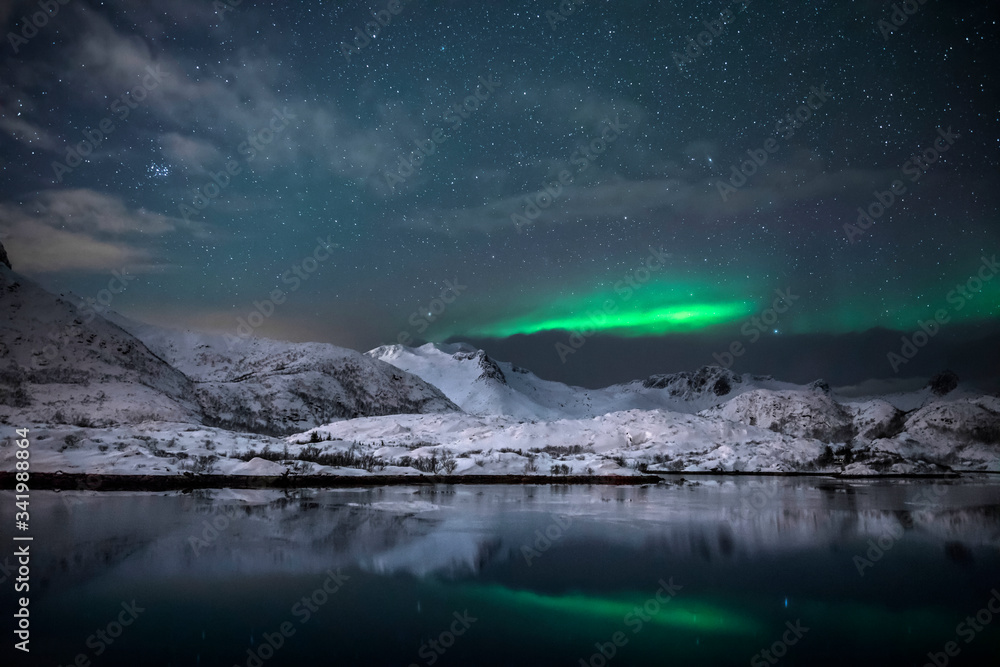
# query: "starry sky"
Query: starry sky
594,190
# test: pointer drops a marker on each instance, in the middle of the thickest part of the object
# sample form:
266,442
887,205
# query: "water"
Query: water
816,572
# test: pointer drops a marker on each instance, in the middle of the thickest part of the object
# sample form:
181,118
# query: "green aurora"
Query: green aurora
677,614
667,306
868,623
651,309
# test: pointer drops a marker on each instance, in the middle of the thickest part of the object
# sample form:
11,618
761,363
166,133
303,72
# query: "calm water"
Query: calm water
815,572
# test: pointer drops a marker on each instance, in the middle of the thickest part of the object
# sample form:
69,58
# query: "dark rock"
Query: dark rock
820,385
491,371
3,258
943,382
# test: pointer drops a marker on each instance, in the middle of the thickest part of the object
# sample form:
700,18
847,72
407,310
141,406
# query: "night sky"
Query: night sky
259,168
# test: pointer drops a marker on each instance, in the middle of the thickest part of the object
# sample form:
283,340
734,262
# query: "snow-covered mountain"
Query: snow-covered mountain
482,386
114,395
64,364
743,422
805,413
270,386
61,364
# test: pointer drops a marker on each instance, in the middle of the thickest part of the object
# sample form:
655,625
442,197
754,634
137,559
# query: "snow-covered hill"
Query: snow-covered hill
482,386
115,395
944,425
801,413
270,386
60,363
615,443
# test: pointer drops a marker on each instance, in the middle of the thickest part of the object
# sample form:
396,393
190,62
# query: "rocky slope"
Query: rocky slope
62,362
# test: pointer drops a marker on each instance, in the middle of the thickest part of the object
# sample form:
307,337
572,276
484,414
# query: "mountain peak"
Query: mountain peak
718,380
491,371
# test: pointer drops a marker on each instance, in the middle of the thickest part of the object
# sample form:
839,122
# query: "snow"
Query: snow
598,445
121,397
482,386
808,414
65,365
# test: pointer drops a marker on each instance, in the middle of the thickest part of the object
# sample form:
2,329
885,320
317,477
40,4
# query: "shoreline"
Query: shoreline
810,473
102,482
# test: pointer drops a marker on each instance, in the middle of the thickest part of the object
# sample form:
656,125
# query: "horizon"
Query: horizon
522,356
591,207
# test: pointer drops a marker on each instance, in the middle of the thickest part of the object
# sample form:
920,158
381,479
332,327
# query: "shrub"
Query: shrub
199,465
422,463
16,397
82,421
556,451
341,459
826,457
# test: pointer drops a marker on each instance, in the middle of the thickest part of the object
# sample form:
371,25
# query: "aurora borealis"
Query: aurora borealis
532,152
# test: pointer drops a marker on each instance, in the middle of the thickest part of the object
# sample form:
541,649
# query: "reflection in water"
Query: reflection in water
549,573
632,612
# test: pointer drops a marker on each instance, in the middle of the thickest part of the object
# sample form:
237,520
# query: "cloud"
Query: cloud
189,153
28,134
83,230
801,178
218,104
